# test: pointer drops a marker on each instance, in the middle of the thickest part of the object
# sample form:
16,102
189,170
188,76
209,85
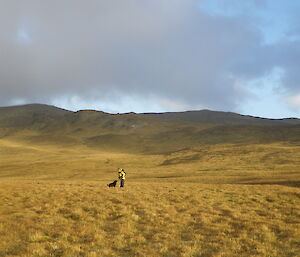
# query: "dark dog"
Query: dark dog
113,184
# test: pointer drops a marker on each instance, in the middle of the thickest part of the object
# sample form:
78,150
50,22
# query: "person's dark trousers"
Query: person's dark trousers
122,183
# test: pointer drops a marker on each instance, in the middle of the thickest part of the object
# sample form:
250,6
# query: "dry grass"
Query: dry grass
222,200
205,164
39,218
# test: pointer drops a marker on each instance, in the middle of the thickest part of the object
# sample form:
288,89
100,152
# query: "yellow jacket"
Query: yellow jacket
122,174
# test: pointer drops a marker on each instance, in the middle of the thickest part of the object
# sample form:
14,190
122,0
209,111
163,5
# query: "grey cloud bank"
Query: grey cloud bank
172,52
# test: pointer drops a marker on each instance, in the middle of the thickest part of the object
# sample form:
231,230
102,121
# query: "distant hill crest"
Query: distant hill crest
196,116
143,133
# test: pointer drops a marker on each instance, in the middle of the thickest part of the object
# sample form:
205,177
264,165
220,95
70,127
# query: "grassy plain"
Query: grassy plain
206,201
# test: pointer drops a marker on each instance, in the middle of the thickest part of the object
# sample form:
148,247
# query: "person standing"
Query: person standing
122,175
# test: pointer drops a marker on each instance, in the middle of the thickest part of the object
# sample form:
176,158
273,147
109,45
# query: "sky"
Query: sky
152,56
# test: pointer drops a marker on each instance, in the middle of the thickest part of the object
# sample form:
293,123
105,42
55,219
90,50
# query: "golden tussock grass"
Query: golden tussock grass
61,218
210,201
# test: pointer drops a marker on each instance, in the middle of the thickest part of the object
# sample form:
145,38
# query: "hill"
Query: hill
140,133
220,118
26,115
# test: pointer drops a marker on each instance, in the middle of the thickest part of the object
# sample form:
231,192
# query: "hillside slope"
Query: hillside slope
220,118
140,133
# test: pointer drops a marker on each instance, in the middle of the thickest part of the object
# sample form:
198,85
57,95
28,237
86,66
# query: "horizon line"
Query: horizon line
167,112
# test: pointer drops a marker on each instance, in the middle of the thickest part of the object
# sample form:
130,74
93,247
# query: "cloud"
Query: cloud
172,53
294,100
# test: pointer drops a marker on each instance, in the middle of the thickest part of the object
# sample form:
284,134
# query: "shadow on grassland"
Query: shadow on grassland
294,183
